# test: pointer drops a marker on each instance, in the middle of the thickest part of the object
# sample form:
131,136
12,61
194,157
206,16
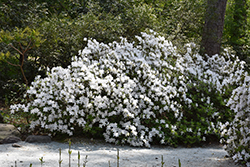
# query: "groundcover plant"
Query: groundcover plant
137,93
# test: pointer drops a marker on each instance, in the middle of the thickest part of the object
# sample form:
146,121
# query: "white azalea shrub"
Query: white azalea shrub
135,93
237,132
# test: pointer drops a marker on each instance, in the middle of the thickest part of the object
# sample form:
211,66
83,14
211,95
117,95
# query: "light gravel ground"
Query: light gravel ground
100,154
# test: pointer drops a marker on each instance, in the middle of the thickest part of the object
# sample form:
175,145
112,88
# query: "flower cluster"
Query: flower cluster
135,93
237,132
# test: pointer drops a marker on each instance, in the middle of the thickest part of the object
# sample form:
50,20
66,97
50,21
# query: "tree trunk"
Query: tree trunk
213,28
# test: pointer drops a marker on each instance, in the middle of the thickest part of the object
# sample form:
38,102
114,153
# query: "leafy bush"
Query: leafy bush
139,18
21,14
236,29
210,85
137,93
11,88
237,132
182,20
16,61
63,32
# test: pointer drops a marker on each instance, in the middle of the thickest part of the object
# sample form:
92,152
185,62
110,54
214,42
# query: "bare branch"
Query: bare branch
16,49
20,46
27,48
26,81
32,47
16,65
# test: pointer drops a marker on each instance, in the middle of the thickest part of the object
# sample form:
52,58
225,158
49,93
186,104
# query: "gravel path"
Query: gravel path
100,154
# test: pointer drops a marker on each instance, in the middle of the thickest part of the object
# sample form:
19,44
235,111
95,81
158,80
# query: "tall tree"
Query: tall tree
213,27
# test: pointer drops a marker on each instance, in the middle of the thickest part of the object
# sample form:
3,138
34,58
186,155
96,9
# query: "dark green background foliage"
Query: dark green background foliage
236,31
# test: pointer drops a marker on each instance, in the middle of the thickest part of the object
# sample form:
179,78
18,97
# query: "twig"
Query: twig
22,61
16,49
20,46
27,48
16,65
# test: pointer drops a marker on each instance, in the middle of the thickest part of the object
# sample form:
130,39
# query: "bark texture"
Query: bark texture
213,27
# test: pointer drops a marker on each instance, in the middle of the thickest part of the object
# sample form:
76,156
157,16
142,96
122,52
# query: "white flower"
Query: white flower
122,86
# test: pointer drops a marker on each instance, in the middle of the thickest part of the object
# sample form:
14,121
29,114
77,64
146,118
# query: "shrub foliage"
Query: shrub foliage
139,90
236,133
136,93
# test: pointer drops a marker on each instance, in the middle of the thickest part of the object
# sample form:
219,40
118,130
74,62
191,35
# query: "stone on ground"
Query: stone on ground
16,145
38,139
10,139
7,130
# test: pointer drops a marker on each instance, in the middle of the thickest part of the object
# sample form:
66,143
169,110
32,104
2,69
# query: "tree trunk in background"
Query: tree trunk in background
213,28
